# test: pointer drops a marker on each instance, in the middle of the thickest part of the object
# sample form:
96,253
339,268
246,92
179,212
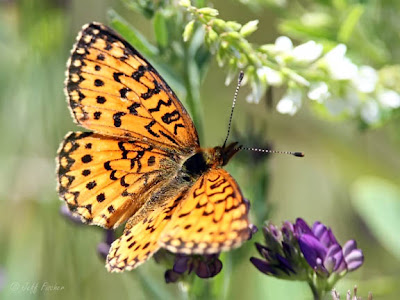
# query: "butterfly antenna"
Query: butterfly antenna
298,154
241,74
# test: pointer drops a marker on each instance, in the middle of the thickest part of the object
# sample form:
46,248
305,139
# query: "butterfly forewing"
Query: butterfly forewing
105,180
113,90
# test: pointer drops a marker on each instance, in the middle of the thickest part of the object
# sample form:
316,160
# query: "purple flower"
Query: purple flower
109,237
322,251
204,266
104,247
252,228
280,257
64,211
299,252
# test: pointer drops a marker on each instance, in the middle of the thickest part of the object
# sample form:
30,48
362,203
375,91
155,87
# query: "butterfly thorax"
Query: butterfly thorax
208,158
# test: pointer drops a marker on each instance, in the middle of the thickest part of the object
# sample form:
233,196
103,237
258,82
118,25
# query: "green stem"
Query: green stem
317,295
192,92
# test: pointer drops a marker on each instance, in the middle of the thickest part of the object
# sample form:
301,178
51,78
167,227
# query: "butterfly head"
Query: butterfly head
225,153
209,158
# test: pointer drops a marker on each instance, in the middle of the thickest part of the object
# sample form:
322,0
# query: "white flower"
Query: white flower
370,112
283,44
339,66
307,52
349,103
366,79
257,91
270,76
389,99
290,102
318,91
335,106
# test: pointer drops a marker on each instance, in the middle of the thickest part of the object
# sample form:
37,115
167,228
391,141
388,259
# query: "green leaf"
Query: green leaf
132,35
347,28
160,29
378,202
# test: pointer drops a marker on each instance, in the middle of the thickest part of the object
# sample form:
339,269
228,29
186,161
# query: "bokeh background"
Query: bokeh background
348,179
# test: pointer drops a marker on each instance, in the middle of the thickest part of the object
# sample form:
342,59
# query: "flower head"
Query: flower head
297,251
204,266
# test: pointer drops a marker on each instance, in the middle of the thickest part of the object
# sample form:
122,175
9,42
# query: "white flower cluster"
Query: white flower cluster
332,80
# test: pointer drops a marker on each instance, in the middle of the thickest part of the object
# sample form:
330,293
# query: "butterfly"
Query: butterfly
142,163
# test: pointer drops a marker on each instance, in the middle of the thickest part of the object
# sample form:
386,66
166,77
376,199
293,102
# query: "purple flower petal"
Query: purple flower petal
349,246
203,270
329,263
301,227
318,229
264,251
252,230
247,203
181,264
355,261
284,263
287,226
103,249
336,256
110,236
272,230
263,266
311,249
354,257
320,268
215,267
332,239
64,210
171,276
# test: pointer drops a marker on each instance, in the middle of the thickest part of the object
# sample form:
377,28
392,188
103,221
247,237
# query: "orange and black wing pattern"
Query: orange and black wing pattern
213,217
141,236
105,180
114,91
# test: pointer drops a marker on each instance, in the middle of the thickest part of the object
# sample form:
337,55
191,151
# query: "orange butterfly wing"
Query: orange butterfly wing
207,218
113,90
105,180
212,217
140,239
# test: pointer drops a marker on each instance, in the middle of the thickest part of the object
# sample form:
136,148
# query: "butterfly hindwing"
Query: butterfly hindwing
211,218
113,90
140,239
104,180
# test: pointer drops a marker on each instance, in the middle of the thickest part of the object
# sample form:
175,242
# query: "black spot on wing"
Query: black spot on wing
117,118
168,118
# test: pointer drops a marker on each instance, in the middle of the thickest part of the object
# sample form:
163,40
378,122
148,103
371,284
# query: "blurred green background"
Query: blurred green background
349,178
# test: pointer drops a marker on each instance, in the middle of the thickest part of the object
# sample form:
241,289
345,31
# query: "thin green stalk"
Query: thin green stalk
316,294
192,91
